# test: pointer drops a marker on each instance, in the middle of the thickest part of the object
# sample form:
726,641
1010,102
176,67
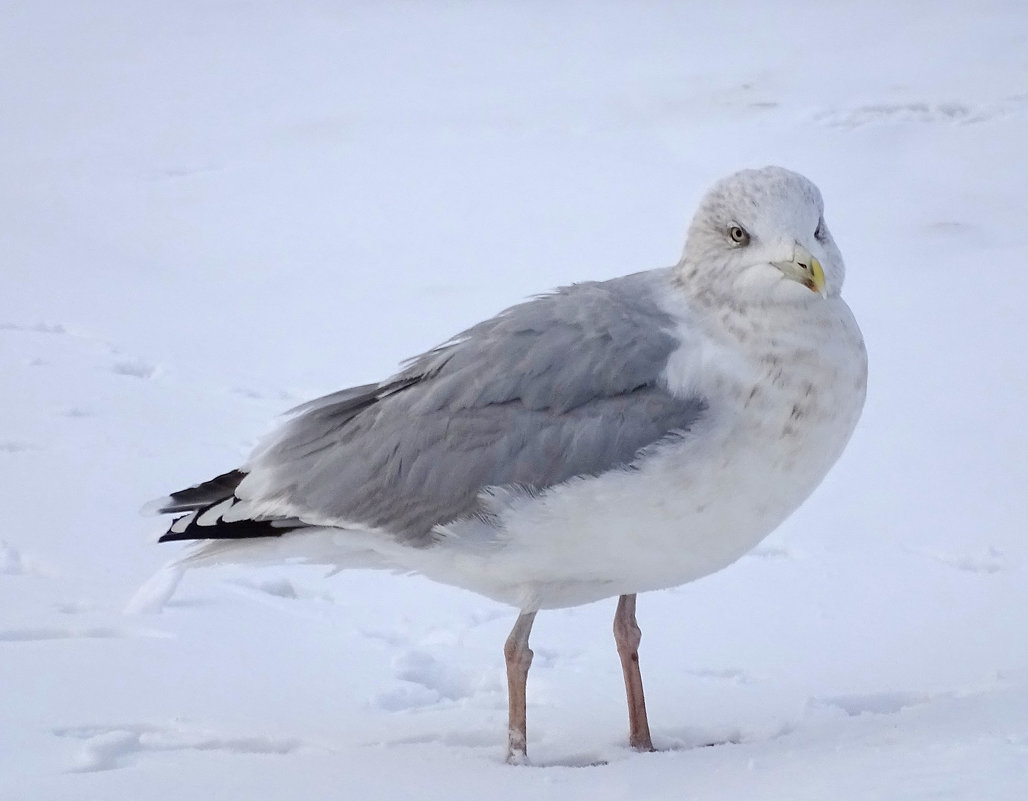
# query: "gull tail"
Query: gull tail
209,513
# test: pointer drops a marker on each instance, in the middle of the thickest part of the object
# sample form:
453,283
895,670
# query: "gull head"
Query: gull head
758,237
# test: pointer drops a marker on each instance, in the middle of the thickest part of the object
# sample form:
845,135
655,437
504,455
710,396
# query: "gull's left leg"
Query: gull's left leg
519,659
627,636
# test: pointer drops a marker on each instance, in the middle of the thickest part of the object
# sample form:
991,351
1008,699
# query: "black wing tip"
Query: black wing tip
226,530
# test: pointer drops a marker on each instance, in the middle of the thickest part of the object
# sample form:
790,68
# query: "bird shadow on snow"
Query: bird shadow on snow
670,741
836,709
548,755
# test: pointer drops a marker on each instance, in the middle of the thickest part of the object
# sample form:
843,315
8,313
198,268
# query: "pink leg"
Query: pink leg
627,636
519,659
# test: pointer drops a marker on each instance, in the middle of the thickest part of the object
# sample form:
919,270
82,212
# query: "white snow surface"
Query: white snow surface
212,211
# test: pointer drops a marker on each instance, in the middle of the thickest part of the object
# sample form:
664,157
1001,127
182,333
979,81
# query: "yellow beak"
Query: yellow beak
805,269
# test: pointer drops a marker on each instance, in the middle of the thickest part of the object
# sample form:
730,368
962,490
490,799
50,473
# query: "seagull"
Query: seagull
605,439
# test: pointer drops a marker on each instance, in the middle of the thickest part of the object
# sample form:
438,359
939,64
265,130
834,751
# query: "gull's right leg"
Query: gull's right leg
627,636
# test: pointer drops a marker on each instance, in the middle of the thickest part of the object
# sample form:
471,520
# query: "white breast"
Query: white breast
783,401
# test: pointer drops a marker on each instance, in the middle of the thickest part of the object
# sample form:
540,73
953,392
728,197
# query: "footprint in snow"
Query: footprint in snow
953,113
11,561
76,607
883,703
481,738
36,328
15,446
14,562
44,634
726,674
136,368
892,113
992,560
117,746
426,682
765,551
77,412
123,365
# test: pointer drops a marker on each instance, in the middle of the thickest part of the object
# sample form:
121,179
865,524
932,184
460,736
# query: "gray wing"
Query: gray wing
564,385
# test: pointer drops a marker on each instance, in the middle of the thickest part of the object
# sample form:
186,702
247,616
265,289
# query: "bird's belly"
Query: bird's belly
684,511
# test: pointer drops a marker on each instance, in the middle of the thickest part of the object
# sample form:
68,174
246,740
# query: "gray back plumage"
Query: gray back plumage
566,384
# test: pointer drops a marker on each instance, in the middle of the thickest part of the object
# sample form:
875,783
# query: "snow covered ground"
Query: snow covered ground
210,211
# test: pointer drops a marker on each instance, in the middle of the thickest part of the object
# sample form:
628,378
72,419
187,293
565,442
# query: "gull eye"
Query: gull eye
738,235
